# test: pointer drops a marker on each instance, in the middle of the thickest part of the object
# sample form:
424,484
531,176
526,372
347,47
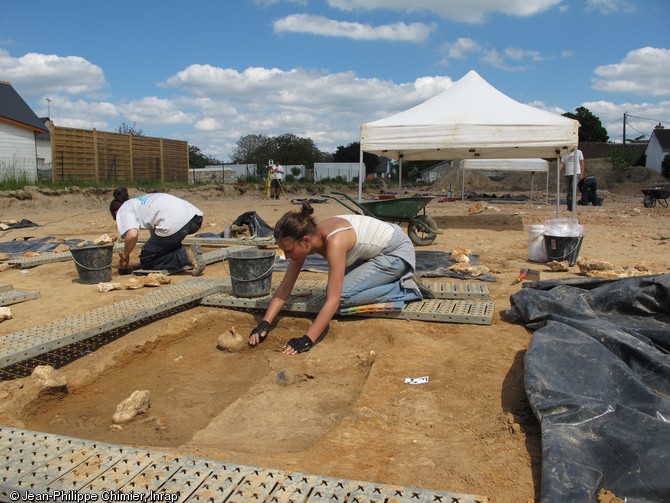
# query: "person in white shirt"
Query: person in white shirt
568,169
169,220
277,178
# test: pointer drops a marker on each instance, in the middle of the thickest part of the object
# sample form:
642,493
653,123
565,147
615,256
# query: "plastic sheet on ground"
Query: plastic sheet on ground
597,376
19,247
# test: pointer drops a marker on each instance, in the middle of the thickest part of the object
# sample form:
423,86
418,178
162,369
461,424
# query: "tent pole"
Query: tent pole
575,166
400,173
532,184
462,181
546,190
361,175
558,181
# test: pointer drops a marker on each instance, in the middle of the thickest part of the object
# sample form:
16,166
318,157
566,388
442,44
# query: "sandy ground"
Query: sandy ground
343,409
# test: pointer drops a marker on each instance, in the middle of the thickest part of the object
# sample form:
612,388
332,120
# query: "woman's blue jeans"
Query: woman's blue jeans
376,280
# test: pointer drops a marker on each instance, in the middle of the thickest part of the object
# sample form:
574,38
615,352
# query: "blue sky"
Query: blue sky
210,72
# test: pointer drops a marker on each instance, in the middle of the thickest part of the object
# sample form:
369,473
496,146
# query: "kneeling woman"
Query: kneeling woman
369,261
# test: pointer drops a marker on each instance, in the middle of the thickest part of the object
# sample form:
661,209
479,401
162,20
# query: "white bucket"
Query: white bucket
536,251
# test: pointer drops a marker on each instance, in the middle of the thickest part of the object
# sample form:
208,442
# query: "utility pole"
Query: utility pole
49,108
625,115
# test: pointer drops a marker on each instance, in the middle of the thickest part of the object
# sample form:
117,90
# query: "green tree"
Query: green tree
291,149
591,129
352,153
198,160
126,129
622,162
287,149
253,149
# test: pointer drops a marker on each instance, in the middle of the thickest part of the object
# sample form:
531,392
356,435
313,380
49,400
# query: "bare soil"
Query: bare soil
342,409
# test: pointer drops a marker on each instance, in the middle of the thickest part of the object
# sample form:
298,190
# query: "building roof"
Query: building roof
663,137
13,109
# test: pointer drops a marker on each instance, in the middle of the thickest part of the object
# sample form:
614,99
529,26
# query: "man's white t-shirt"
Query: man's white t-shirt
278,172
569,161
162,214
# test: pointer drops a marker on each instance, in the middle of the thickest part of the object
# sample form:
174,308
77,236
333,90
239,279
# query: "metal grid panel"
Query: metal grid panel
249,241
8,297
441,289
47,258
34,463
478,312
35,341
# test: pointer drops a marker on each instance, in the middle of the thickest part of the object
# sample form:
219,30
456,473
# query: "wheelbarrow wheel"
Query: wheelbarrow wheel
649,201
419,230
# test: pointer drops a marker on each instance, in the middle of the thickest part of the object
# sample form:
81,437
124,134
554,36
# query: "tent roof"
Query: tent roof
470,120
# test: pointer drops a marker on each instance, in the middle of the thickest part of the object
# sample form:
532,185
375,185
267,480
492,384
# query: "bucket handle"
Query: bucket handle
93,268
254,279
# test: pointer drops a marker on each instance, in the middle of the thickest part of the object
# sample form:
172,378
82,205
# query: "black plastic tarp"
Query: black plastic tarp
257,225
597,376
19,247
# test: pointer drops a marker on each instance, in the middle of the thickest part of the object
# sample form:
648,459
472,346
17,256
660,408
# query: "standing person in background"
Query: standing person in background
168,219
369,261
277,178
568,169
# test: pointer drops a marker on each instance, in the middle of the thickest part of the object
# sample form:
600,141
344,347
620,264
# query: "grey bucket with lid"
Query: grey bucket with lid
251,272
94,262
560,248
563,239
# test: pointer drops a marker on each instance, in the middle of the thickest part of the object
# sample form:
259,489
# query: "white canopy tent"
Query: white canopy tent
470,120
531,166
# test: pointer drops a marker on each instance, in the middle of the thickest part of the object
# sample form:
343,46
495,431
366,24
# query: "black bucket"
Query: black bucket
561,248
94,263
251,272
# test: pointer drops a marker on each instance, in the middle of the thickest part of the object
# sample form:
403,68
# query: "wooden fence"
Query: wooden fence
97,156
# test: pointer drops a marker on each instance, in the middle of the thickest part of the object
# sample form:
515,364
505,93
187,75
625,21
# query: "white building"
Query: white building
19,127
346,170
657,148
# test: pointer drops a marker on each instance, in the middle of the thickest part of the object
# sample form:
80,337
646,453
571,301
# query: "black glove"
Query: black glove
263,326
301,345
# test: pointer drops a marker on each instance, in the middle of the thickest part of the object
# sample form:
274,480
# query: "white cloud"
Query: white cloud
497,60
208,124
81,113
610,6
644,71
462,47
547,108
470,11
642,117
39,73
152,110
520,54
509,59
318,25
328,108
